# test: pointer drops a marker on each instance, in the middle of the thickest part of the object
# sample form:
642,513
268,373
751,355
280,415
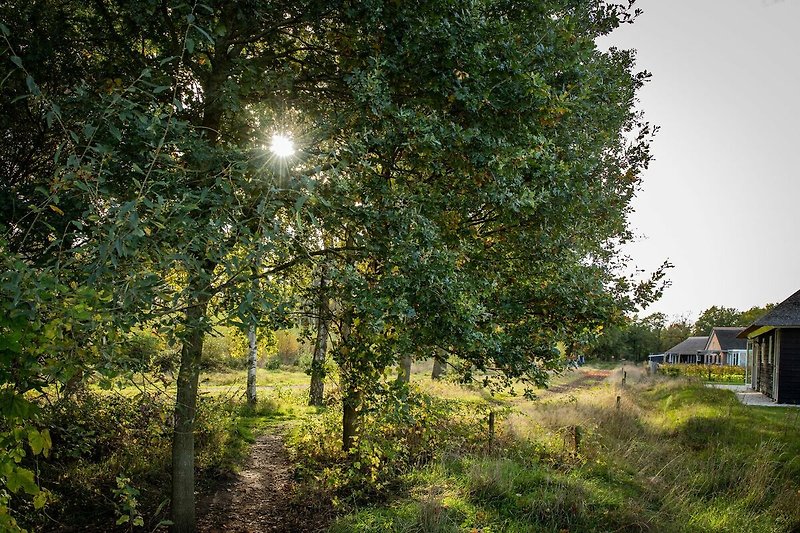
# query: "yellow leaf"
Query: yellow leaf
56,209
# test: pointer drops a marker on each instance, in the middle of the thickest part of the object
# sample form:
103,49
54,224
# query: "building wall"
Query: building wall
789,366
765,362
713,343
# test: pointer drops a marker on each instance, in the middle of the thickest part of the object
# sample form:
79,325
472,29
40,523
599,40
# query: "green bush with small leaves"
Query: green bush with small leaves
719,373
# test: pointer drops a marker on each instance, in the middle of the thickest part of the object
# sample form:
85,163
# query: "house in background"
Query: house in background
687,351
774,351
725,348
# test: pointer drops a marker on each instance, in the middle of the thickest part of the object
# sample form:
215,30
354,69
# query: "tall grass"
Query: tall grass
670,455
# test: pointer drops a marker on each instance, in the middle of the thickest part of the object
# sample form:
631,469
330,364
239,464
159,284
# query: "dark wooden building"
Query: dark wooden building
774,351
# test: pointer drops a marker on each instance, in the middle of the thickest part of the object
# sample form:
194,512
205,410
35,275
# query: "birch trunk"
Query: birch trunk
252,366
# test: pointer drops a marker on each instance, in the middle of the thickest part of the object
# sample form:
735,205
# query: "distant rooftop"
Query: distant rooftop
690,346
728,340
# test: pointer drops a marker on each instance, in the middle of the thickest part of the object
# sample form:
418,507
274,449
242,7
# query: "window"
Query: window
769,351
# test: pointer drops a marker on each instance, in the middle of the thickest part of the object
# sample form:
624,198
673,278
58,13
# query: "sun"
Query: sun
282,145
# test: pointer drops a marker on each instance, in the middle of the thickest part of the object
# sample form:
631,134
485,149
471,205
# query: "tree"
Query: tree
716,317
676,331
153,146
630,338
323,318
480,174
754,313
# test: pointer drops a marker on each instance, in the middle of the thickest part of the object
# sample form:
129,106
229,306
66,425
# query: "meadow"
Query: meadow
656,453
659,454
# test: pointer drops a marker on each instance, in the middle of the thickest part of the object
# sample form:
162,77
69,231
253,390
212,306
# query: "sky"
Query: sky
721,200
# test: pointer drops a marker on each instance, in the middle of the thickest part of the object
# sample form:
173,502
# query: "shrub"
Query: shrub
402,430
111,455
725,373
289,348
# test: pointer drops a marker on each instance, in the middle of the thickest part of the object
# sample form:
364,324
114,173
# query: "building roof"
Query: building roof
786,313
728,340
690,346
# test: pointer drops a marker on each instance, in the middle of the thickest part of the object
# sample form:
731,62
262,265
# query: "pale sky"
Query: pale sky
721,201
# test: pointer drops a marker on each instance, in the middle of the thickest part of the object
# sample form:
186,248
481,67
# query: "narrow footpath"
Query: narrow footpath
261,498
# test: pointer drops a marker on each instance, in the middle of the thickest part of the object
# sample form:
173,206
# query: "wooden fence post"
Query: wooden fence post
491,426
619,399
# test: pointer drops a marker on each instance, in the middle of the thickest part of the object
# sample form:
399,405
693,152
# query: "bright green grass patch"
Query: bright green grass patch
264,378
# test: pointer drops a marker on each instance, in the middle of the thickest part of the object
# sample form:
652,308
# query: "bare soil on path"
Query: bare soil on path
262,497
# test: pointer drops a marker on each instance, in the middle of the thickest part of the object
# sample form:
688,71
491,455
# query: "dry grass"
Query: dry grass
671,455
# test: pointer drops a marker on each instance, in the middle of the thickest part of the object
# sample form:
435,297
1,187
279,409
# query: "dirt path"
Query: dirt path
261,498
587,379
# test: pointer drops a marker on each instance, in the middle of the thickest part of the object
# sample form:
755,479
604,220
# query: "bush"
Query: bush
142,351
289,348
111,457
729,374
401,431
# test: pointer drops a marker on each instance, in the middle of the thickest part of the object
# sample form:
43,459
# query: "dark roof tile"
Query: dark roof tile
727,338
690,346
786,313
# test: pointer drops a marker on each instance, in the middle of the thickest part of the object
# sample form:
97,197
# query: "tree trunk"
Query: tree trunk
351,401
183,512
350,412
438,368
317,389
404,375
252,366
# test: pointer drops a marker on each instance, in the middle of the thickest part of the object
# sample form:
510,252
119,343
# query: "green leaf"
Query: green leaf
205,34
39,441
190,45
21,478
40,499
15,406
32,87
4,30
17,61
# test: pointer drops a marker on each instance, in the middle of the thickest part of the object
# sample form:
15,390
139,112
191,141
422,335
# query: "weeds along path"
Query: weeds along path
261,497
587,378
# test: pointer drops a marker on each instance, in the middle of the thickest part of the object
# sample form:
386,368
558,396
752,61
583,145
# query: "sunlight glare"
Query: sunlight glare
282,145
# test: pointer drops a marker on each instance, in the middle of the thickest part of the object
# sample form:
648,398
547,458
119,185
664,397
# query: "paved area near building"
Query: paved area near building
748,396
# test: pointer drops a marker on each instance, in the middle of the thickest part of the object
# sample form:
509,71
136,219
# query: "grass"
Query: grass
676,456
229,383
264,378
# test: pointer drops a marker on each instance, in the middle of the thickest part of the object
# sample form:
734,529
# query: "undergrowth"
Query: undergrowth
109,468
668,455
